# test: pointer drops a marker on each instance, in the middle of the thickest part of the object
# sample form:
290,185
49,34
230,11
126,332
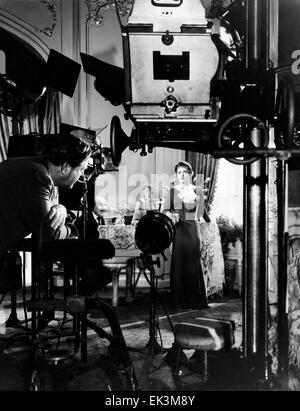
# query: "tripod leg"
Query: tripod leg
152,345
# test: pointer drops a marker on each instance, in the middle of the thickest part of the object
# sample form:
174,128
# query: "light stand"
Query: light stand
154,233
152,347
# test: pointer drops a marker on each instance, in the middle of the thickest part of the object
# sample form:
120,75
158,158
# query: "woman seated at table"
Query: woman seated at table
146,202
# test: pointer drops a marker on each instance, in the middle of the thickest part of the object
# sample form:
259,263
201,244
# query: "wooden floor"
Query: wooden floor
152,367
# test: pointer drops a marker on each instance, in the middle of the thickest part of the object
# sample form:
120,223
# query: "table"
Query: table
122,238
126,252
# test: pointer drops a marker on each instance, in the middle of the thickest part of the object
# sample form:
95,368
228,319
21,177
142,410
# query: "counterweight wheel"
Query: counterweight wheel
236,133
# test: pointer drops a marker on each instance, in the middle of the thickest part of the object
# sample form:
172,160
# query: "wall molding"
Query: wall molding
24,31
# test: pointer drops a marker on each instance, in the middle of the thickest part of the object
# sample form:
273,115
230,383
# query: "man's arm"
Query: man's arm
57,216
44,216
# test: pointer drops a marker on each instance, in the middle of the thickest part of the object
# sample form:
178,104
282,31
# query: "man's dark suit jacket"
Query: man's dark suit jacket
27,194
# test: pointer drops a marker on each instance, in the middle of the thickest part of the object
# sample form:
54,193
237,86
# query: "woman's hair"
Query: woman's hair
66,148
184,164
147,187
142,199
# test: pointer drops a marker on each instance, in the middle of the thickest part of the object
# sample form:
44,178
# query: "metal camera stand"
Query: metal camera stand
153,347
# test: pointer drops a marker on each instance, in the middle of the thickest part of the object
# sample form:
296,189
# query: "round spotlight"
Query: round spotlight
154,233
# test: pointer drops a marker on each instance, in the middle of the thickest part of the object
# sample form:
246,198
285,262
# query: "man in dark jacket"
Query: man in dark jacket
29,192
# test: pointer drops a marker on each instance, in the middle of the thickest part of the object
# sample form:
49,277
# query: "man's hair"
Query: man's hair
184,164
65,148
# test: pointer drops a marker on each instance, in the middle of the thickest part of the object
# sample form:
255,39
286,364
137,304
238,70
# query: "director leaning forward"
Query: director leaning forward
29,194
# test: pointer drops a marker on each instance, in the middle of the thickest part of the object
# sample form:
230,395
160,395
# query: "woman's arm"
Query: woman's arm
173,216
199,203
168,206
201,209
137,214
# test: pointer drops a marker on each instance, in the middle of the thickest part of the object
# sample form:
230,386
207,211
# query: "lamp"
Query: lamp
97,8
109,78
61,73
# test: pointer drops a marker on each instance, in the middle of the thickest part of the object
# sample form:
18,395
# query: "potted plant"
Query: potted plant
126,211
230,233
128,214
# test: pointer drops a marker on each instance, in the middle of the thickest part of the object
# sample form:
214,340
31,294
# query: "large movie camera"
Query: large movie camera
73,199
171,66
187,84
96,164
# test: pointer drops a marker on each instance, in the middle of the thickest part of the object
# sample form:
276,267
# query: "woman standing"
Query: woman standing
186,209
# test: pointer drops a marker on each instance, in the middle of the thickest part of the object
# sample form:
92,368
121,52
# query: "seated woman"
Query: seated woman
185,206
146,202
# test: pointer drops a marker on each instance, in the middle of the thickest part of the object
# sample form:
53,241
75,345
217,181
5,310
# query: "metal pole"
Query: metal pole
152,346
254,30
245,258
256,275
265,282
282,267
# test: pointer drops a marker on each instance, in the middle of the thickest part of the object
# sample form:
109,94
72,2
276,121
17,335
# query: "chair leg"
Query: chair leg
198,363
130,275
115,286
176,370
205,371
84,337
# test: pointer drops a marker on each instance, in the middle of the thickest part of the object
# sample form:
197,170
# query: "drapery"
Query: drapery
206,166
212,259
4,136
41,117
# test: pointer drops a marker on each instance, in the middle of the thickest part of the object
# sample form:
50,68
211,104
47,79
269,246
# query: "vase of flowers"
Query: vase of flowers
126,211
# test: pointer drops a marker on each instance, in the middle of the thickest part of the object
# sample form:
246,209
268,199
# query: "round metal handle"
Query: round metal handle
237,133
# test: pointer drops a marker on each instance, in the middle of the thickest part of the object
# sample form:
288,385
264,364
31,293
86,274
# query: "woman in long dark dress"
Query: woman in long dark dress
186,208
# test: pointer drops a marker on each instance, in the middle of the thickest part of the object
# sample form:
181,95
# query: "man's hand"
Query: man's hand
57,216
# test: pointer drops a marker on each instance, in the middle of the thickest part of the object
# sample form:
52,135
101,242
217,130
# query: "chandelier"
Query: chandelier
97,8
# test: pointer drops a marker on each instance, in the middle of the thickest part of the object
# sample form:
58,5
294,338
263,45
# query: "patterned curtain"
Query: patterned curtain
41,117
207,166
51,118
4,136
